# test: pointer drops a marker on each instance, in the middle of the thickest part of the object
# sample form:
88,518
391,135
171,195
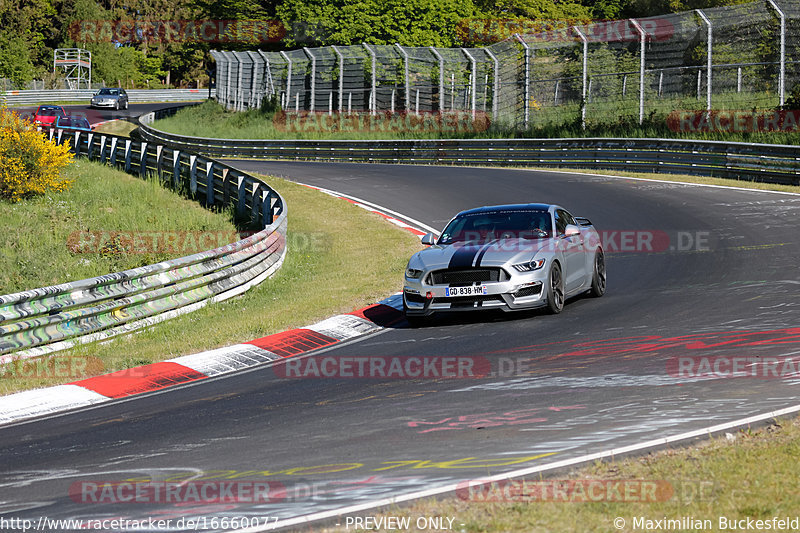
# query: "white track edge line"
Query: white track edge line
522,472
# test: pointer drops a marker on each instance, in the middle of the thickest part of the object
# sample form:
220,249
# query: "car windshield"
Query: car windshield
487,226
109,92
72,122
50,112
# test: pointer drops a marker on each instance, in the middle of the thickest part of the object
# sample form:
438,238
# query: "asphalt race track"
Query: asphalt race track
97,115
692,271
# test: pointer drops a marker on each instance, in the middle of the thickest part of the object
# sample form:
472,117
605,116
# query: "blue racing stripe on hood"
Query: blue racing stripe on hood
464,256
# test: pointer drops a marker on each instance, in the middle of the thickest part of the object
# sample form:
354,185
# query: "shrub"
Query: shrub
30,165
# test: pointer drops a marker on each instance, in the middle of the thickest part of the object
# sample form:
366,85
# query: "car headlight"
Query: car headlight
534,264
413,273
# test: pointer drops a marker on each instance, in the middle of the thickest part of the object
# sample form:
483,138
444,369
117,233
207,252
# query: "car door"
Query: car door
572,250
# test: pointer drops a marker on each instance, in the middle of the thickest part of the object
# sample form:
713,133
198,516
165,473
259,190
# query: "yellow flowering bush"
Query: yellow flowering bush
30,164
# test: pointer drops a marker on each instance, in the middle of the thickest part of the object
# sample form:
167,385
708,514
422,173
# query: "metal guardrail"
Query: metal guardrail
746,161
43,320
17,98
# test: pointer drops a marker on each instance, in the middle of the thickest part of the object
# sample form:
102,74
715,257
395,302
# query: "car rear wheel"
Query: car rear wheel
598,274
555,290
126,105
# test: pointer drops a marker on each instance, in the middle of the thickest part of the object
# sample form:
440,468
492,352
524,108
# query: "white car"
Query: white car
508,257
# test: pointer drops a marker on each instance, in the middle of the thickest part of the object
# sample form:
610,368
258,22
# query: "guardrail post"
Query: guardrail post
406,77
642,39
128,151
267,199
76,142
159,162
193,174
113,151
226,183
782,75
176,168
473,79
103,149
58,137
241,192
527,103
143,160
373,94
210,182
256,196
708,59
89,145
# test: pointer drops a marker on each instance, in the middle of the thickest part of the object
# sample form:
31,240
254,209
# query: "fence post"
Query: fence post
642,39
128,155
584,75
313,78
782,76
495,85
407,78
288,78
193,174
373,94
441,79
473,79
710,47
526,106
341,77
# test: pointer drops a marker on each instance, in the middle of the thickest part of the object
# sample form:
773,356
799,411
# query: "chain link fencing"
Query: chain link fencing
739,57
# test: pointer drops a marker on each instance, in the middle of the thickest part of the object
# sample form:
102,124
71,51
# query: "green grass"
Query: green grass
117,127
34,245
314,283
751,474
603,119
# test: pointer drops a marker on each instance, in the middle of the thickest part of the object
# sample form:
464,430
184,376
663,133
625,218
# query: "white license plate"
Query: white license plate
472,290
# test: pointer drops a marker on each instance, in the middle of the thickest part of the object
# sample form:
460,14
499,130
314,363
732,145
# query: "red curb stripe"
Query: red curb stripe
293,342
380,314
140,379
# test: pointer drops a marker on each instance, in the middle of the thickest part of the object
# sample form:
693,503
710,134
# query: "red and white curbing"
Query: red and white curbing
157,376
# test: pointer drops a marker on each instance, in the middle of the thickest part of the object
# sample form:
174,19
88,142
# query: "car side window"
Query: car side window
561,221
569,218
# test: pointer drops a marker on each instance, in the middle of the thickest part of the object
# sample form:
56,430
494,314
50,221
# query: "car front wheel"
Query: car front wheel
555,290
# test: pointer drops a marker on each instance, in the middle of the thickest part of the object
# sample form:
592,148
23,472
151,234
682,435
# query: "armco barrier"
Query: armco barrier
18,98
43,320
747,161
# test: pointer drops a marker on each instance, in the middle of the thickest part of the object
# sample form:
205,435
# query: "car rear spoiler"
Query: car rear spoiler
583,221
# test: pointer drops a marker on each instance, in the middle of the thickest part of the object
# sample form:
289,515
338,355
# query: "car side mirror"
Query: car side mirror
571,230
428,239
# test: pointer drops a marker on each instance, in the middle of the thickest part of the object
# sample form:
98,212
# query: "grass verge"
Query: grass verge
340,258
117,127
35,245
210,119
738,476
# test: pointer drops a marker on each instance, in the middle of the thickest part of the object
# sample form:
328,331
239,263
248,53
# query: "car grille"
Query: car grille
466,276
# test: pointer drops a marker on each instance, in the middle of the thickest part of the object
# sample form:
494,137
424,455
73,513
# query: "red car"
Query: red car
46,115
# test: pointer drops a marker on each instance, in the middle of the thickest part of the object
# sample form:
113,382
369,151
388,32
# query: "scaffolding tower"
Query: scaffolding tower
76,63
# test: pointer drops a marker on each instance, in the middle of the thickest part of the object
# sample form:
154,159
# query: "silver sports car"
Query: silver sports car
505,257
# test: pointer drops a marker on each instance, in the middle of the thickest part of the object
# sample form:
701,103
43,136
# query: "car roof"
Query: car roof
506,207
